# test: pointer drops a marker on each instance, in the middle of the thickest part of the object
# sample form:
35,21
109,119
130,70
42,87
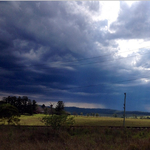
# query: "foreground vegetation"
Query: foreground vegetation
82,138
74,138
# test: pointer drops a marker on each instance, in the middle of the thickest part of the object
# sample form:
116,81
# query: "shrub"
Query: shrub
57,121
9,113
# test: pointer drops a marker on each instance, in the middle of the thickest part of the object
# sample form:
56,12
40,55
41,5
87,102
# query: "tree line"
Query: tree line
12,107
23,104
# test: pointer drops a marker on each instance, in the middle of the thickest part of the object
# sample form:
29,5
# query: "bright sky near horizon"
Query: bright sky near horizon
87,54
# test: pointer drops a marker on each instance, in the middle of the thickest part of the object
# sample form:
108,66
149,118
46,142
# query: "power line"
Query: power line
47,67
84,59
91,85
95,57
101,55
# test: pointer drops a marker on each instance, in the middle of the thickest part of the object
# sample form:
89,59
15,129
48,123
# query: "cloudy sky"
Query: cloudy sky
87,54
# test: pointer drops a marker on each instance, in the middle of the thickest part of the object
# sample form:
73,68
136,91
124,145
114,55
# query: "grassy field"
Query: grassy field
89,121
81,138
31,120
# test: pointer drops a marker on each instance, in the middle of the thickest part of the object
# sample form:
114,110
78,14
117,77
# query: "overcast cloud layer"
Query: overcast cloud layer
87,54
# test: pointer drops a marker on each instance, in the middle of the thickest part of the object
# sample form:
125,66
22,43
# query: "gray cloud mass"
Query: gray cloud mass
54,51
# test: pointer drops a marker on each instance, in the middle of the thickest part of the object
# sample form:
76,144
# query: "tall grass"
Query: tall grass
83,138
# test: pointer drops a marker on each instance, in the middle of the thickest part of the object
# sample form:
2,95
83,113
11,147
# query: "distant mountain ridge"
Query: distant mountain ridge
104,112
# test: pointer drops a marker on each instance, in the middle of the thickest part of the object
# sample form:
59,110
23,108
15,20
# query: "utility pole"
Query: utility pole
124,109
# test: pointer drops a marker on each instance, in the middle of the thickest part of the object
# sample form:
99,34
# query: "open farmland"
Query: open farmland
89,121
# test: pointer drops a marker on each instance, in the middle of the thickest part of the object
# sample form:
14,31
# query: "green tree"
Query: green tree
115,115
93,114
23,104
135,116
59,107
97,114
9,113
75,114
45,110
81,113
43,106
34,106
29,107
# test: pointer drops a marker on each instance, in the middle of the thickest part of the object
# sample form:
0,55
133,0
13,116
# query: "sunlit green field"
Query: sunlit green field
89,121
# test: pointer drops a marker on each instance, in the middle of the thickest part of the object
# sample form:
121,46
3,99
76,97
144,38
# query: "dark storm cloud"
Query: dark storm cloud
50,27
45,31
49,52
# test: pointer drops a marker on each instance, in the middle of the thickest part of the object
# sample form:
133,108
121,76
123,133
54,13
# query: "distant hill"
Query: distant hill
104,112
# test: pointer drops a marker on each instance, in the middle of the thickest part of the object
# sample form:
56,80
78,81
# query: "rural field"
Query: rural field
89,121
89,137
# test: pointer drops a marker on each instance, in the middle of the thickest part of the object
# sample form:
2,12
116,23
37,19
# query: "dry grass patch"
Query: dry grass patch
85,138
